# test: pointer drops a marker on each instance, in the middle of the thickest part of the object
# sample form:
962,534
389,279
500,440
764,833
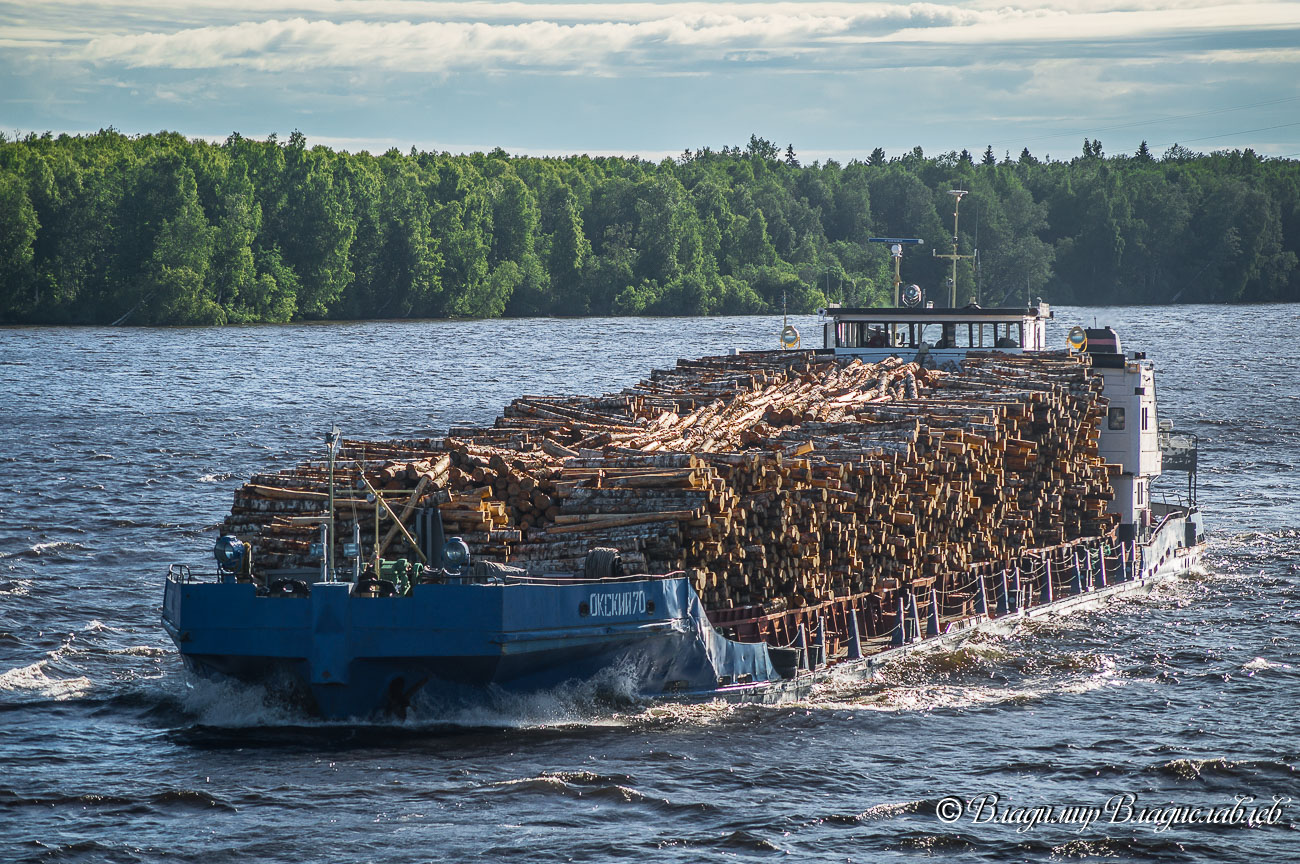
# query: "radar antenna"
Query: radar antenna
896,245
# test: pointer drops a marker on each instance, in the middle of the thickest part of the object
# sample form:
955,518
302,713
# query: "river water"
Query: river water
119,452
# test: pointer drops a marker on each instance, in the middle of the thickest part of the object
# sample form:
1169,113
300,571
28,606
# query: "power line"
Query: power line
1146,122
1229,134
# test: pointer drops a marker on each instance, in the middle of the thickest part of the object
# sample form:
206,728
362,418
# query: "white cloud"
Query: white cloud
602,37
646,75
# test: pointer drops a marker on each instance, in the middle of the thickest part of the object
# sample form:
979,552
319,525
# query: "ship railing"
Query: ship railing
1179,451
579,579
930,606
1169,502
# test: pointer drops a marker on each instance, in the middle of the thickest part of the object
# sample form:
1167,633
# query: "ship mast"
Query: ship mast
953,256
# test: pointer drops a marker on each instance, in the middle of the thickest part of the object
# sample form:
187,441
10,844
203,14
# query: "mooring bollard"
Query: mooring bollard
855,637
914,618
932,618
900,637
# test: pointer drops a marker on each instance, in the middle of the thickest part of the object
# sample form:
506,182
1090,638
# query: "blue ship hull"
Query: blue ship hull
351,656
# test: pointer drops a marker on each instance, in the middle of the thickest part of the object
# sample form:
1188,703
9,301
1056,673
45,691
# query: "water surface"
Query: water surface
119,452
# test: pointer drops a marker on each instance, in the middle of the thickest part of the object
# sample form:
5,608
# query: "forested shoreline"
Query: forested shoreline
159,229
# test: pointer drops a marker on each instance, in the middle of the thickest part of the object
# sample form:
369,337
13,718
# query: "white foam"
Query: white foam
140,651
32,679
44,548
1259,663
585,703
17,588
236,705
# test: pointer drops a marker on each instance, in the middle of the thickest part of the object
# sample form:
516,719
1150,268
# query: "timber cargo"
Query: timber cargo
735,525
774,480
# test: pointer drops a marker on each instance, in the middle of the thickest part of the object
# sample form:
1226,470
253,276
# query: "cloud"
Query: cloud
642,77
604,38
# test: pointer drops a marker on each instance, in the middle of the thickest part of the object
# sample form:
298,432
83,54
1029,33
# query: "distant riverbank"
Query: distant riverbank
157,229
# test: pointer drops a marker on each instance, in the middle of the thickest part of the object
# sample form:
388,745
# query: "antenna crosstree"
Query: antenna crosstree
953,256
896,245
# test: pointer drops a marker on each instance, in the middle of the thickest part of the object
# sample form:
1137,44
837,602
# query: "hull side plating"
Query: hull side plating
345,656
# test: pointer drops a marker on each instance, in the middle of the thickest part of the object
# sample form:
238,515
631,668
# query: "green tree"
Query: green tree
18,229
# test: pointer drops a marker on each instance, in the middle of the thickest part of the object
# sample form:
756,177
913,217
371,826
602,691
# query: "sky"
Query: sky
834,79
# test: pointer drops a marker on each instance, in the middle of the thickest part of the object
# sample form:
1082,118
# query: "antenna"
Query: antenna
789,337
953,256
896,245
332,442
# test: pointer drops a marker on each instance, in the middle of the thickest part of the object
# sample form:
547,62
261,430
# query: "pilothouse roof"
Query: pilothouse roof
936,316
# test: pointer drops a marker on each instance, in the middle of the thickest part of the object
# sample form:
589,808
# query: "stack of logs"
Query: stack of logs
774,479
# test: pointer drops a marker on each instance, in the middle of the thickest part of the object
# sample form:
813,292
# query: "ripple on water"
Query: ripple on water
1074,709
34,682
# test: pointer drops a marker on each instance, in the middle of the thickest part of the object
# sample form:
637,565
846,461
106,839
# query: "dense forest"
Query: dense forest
158,229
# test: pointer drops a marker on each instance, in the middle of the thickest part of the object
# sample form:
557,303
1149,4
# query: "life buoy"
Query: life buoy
789,336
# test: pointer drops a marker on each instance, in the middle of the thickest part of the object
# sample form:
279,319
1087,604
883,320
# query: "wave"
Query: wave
706,713
596,788
228,704
42,549
139,651
16,587
877,812
931,844
1185,768
33,680
741,839
595,702
1259,664
1134,848
164,798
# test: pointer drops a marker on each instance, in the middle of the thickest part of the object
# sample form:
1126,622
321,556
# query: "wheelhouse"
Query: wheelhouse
945,333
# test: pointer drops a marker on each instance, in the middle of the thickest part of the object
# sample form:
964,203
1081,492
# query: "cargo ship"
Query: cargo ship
739,527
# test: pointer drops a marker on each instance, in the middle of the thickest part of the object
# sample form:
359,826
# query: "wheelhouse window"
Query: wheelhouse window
963,335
